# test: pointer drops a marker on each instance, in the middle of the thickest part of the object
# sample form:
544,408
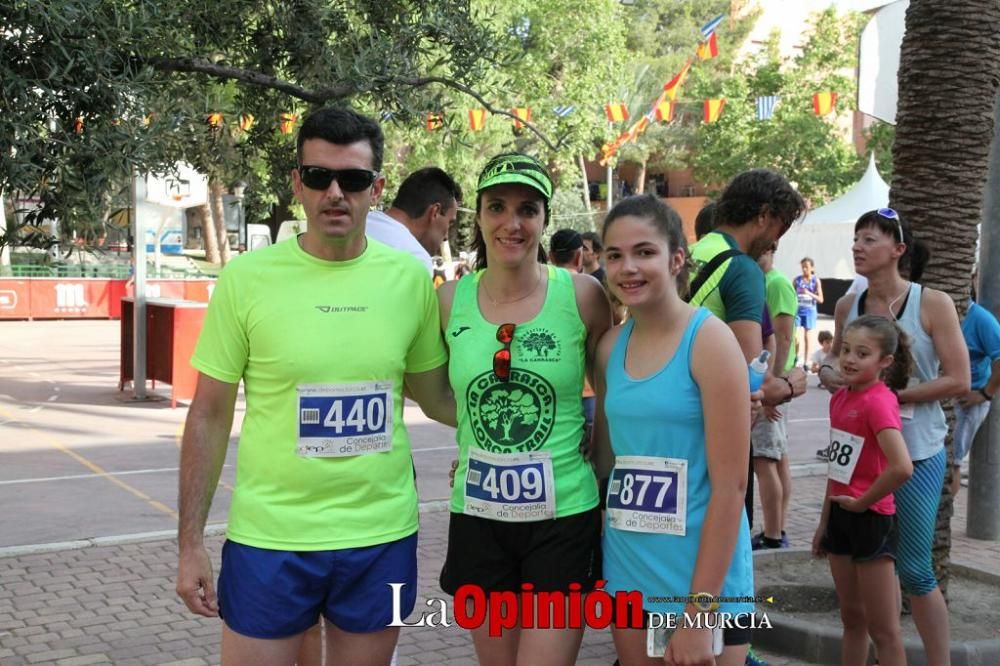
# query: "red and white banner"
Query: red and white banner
86,298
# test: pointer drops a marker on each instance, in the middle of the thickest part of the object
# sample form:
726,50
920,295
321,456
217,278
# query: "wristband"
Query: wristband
791,391
825,365
986,395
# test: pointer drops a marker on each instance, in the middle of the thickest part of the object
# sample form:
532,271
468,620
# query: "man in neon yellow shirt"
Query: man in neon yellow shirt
324,330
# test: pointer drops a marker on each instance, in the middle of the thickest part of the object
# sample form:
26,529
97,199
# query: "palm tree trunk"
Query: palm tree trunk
208,237
947,86
640,186
215,193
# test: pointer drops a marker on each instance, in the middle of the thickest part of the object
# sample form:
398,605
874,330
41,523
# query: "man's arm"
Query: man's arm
203,452
784,329
433,393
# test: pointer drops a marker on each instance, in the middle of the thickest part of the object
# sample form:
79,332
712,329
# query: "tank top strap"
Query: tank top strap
687,342
464,304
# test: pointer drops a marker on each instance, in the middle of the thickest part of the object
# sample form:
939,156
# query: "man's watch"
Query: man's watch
986,395
703,601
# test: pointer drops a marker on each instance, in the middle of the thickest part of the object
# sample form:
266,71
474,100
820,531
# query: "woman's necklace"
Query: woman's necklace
895,300
513,300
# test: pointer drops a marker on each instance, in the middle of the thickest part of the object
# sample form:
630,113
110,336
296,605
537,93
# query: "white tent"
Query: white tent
826,233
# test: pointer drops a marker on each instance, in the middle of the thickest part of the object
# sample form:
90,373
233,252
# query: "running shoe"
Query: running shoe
757,542
823,454
753,659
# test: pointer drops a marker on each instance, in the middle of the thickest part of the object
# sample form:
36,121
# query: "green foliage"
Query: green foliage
879,139
812,151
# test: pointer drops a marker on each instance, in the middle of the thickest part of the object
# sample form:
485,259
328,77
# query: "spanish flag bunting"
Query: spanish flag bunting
434,121
824,102
664,111
287,124
477,119
522,115
675,83
214,120
713,109
78,125
638,128
246,122
709,48
616,112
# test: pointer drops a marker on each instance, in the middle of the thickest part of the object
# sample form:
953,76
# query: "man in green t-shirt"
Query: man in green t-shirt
324,330
769,437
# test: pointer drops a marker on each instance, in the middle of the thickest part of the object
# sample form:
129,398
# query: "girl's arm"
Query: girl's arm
942,324
819,291
602,455
824,517
595,312
719,369
896,474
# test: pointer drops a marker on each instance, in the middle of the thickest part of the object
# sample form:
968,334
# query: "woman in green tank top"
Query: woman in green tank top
521,334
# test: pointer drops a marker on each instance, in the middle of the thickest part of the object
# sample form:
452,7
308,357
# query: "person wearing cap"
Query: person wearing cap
566,250
324,511
521,335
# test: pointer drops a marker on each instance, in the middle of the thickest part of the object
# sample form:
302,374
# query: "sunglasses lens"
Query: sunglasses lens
501,364
355,180
316,178
889,213
505,333
350,180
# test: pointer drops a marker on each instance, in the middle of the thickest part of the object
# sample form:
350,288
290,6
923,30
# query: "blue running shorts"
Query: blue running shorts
276,593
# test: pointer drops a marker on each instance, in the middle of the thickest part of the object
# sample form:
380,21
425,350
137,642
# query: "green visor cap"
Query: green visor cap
516,168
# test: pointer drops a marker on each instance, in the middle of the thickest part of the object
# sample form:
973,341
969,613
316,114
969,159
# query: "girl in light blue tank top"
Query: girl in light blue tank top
883,242
673,399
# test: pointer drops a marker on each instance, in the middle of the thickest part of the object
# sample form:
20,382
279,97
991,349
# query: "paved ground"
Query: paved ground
88,485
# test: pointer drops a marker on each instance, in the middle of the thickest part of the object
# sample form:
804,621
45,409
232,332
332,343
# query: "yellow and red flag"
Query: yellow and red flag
674,84
713,109
522,115
214,120
287,124
434,121
709,48
78,125
616,112
638,128
477,119
246,122
664,110
824,102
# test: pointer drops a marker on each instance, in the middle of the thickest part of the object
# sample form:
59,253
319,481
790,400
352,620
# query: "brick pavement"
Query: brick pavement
115,604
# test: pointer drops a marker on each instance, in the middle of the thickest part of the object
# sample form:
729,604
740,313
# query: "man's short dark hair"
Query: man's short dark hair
705,221
564,245
425,187
342,127
758,191
595,240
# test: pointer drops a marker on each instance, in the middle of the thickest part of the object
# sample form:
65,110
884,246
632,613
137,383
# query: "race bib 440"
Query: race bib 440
344,419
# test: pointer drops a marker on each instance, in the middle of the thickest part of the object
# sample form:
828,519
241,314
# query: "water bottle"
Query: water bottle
758,369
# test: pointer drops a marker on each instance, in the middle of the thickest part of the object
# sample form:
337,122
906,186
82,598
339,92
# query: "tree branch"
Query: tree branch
322,95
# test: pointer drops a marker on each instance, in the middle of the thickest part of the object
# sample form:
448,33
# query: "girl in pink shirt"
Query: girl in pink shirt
867,462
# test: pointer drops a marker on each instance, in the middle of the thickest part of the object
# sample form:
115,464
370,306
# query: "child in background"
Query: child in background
868,460
825,345
810,293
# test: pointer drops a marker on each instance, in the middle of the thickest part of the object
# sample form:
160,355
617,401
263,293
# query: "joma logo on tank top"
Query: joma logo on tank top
512,416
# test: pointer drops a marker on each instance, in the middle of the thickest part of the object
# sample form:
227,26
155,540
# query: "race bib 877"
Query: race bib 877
344,419
648,494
